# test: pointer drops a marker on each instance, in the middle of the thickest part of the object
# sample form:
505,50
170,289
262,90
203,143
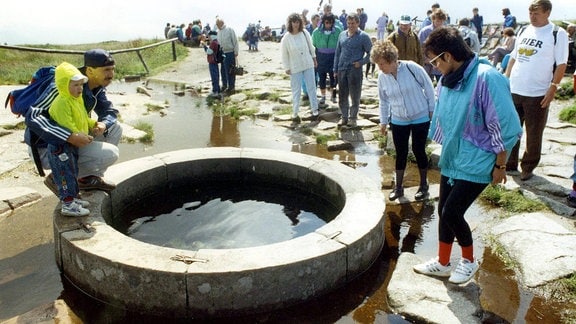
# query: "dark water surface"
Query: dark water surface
29,277
227,216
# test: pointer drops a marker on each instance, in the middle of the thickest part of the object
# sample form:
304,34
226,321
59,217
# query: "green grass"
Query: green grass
324,139
512,201
151,107
148,129
17,67
568,114
566,91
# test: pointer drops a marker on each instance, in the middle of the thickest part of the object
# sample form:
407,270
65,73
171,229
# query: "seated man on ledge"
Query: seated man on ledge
94,157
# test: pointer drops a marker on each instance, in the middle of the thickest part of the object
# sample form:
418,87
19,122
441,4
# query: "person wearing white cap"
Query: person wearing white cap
406,41
68,111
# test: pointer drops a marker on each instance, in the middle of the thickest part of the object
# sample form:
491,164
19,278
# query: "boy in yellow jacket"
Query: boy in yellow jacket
68,111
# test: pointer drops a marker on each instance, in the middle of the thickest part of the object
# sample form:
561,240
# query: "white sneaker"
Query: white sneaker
82,203
464,271
74,209
433,268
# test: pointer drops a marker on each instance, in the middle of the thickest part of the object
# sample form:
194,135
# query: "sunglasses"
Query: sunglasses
433,61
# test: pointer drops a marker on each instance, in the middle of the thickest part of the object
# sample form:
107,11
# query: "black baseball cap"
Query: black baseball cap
97,58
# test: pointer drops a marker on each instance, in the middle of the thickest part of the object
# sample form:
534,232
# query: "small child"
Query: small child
68,111
370,65
211,52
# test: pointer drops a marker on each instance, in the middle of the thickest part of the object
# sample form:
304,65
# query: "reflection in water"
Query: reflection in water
406,220
226,215
224,132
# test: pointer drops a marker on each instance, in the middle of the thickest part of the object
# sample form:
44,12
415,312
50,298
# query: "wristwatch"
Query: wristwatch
501,167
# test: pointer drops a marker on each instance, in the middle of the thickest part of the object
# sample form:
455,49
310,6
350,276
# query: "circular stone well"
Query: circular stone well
150,279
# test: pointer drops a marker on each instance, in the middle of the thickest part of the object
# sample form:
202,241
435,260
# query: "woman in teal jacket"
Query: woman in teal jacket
477,125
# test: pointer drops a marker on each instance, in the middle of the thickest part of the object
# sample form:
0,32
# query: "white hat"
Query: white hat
78,77
405,20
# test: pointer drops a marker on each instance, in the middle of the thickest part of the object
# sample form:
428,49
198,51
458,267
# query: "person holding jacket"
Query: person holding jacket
406,103
477,125
95,154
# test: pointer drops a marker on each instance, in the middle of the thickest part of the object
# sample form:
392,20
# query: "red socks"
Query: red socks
445,249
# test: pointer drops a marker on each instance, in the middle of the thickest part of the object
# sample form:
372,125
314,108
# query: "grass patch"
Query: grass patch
568,114
323,139
284,110
19,126
148,129
17,67
566,91
569,286
151,107
512,201
500,252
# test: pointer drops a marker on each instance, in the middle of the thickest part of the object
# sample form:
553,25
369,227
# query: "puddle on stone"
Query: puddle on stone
504,300
226,216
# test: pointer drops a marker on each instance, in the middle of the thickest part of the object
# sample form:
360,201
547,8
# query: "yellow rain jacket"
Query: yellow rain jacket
67,110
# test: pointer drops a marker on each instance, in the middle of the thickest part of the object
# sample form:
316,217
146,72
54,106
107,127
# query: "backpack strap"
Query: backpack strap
414,75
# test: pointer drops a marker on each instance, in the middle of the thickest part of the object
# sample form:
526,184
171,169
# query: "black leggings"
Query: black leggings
401,134
456,196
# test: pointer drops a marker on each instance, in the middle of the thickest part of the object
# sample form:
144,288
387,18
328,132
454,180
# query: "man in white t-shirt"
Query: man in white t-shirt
534,81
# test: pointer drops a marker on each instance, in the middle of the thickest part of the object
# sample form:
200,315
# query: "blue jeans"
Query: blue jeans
350,82
94,158
215,77
64,164
228,78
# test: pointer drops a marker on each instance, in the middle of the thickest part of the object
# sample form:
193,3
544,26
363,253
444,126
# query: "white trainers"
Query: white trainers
74,209
464,271
433,268
82,203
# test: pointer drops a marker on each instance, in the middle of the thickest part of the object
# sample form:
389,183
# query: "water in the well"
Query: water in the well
227,216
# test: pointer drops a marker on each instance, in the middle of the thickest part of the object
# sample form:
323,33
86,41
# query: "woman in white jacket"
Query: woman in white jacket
299,60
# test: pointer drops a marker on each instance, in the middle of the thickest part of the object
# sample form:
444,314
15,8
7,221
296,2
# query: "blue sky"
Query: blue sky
77,22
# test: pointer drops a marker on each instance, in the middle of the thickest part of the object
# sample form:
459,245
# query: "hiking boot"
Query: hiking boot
433,268
73,209
95,183
571,201
296,119
322,101
395,194
464,271
49,182
334,95
422,193
343,122
352,123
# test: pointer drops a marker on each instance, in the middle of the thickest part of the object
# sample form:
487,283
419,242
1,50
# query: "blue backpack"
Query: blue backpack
37,91
20,100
